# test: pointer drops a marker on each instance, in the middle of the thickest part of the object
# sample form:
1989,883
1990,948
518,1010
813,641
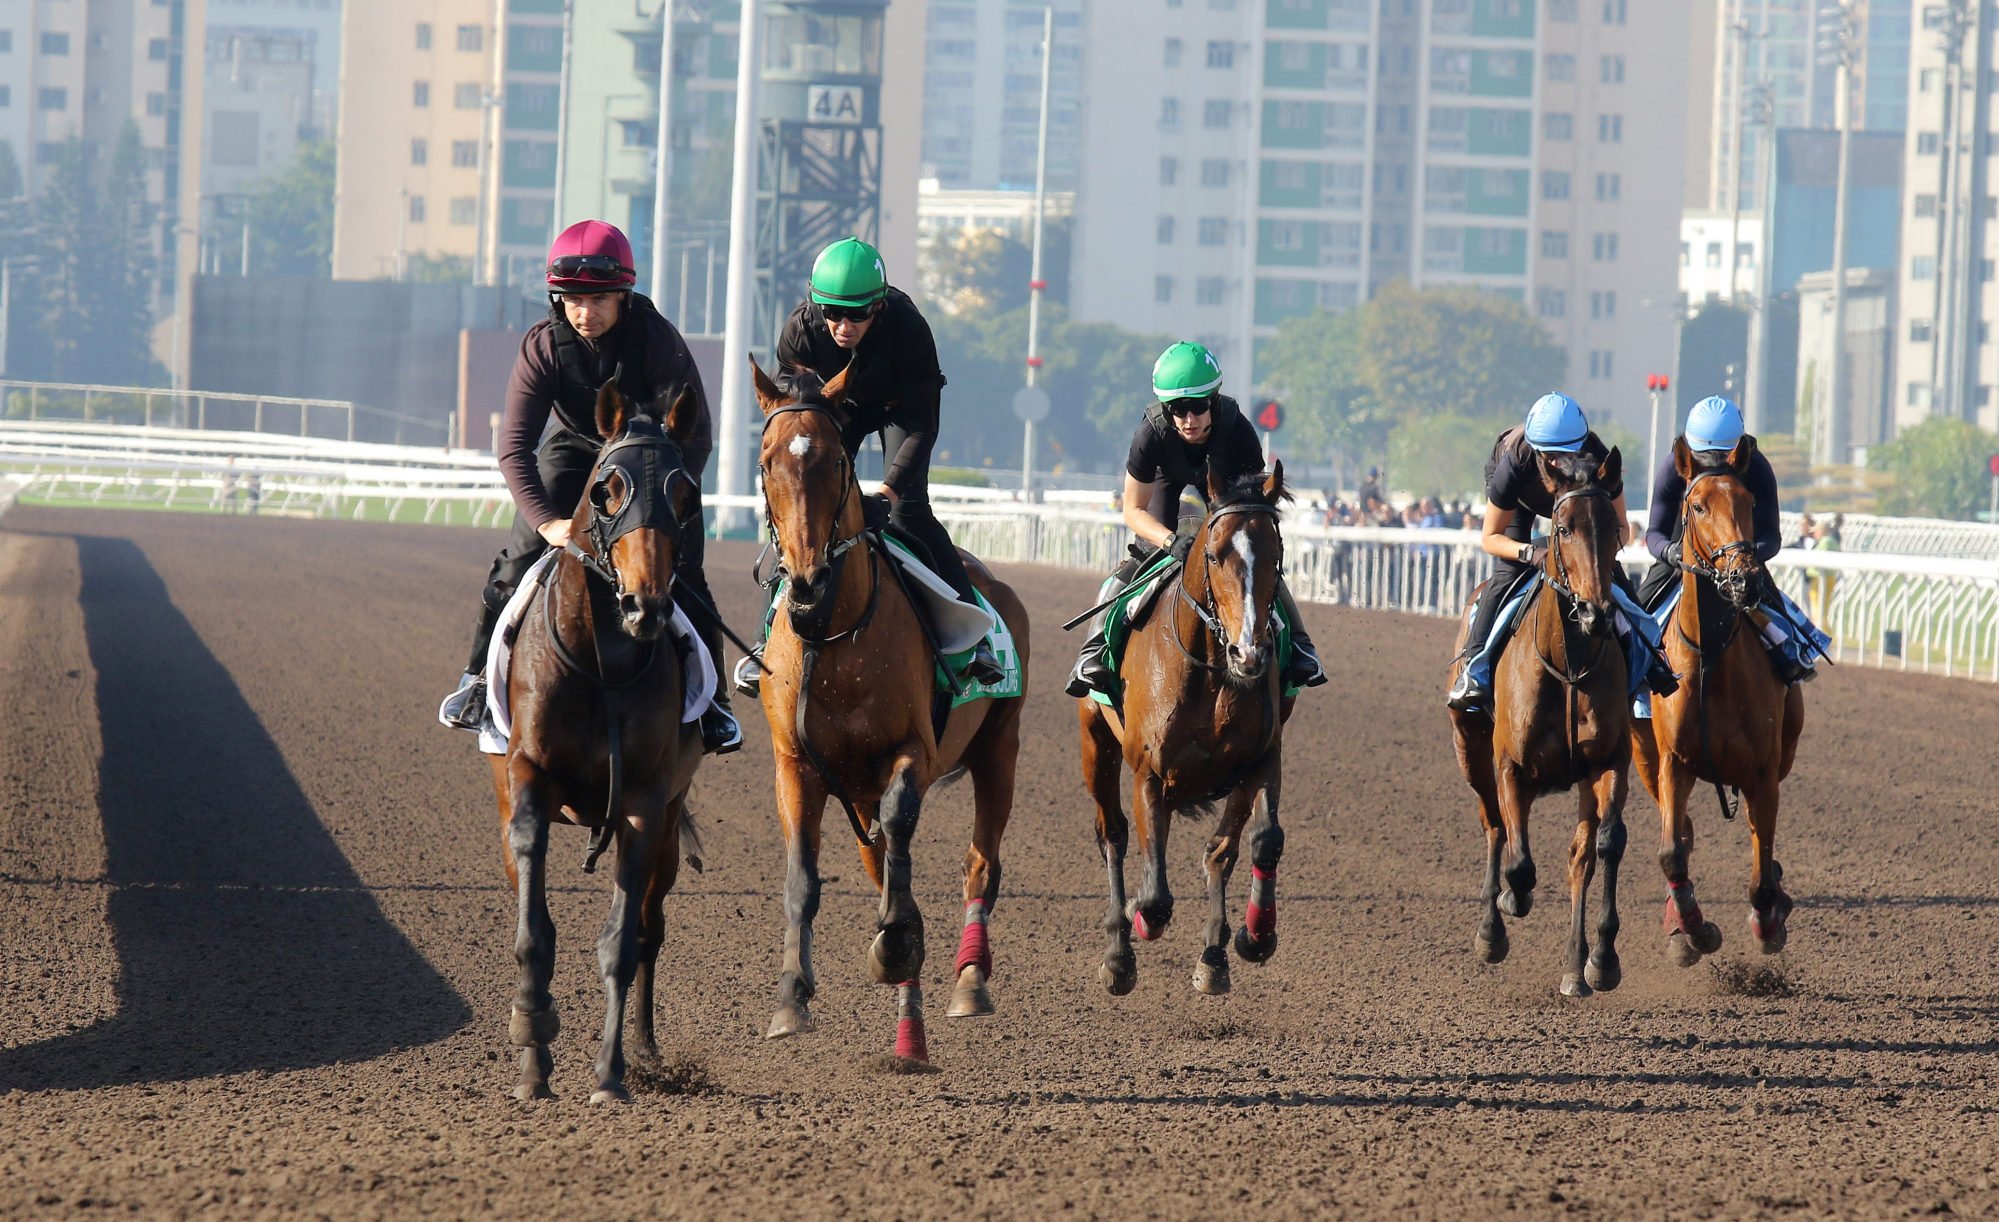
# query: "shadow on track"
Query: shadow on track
245,941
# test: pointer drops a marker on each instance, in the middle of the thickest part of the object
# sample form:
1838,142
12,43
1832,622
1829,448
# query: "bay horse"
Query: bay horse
848,691
1202,719
1733,721
1561,707
597,737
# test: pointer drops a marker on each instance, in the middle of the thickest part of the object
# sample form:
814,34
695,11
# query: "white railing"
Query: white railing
146,407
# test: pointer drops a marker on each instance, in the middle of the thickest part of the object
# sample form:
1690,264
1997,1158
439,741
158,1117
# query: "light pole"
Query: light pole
1830,439
1737,105
1035,284
662,170
1657,384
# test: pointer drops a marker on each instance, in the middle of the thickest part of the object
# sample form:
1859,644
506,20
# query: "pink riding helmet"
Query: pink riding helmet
590,257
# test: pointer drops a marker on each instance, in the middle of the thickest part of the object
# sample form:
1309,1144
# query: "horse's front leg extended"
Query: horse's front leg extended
1582,867
1769,903
652,933
639,829
1689,934
801,801
1256,941
1517,867
896,955
1153,907
534,1023
1613,789
1103,773
1211,972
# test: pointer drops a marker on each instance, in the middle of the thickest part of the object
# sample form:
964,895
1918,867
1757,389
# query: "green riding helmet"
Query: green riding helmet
1185,371
848,273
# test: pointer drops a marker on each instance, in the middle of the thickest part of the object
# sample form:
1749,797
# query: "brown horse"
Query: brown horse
848,692
1202,719
1561,705
597,734
1733,721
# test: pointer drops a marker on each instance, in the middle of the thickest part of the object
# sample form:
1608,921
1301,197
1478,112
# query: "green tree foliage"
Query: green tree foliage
1313,365
1444,455
291,217
970,271
1938,468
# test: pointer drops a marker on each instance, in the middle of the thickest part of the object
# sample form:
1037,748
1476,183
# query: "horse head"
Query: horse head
1241,551
809,484
637,497
1717,525
1582,552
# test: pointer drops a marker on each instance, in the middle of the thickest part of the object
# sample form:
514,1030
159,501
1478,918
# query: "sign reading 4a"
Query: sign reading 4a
833,104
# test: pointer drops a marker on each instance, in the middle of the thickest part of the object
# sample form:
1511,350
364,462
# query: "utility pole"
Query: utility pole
1035,284
1830,440
1755,378
732,468
1737,104
559,216
662,172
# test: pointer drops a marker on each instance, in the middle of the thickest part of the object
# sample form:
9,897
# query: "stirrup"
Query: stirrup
749,675
1305,669
1466,696
465,708
721,733
984,668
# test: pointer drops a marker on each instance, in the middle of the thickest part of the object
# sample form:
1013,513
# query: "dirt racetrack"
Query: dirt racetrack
258,949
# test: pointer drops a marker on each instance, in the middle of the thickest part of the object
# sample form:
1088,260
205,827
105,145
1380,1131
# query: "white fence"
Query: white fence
1916,612
149,407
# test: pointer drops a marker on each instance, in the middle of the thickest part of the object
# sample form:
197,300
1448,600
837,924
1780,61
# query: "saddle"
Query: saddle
1134,608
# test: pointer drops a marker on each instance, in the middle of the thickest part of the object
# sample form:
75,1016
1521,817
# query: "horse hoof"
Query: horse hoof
1708,938
528,1092
1494,949
970,999
1573,986
789,1020
1681,951
1118,979
1516,903
1211,974
610,1094
1770,934
893,966
1249,950
1143,928
1603,974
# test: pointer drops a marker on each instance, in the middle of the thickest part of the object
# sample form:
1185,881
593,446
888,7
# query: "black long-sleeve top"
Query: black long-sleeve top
1669,489
893,378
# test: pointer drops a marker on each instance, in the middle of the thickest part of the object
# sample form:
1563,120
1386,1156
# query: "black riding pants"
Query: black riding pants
912,516
565,460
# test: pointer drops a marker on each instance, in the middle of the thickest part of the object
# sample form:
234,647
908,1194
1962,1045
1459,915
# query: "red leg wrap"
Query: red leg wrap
1261,918
973,948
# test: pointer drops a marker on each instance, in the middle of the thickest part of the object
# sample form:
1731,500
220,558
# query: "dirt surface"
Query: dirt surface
258,948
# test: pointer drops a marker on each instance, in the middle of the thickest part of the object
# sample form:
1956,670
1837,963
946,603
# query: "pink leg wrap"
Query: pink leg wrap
909,1041
1261,918
973,949
1683,912
1139,927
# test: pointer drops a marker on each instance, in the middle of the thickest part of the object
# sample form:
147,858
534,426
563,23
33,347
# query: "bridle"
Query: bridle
833,555
1572,602
1732,582
1556,575
1207,611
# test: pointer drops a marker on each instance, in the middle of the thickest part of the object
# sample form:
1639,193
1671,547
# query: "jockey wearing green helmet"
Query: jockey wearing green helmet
853,321
1190,430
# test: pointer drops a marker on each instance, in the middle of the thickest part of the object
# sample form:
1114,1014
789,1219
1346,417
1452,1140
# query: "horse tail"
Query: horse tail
690,838
950,778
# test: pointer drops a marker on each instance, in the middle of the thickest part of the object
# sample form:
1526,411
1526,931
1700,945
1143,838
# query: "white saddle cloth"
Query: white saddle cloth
696,694
959,625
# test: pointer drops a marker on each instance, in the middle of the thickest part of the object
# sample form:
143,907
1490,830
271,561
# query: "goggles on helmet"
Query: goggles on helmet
600,268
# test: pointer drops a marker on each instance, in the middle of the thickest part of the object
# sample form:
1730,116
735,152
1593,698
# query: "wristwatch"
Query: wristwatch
1526,550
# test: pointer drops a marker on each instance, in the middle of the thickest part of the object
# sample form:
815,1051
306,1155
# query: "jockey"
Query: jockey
1189,432
852,320
1713,429
1515,496
597,328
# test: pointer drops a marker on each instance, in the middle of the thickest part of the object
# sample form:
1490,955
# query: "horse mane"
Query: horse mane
1249,487
1576,470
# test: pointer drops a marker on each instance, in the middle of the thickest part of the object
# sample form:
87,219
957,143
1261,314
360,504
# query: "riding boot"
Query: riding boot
1659,675
1092,671
1468,694
1303,670
465,708
720,732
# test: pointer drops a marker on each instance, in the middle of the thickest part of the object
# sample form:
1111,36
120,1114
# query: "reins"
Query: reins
1209,614
1569,605
1705,658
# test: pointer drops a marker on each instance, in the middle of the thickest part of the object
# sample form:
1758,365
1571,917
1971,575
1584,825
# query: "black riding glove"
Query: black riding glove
1674,555
1179,545
875,510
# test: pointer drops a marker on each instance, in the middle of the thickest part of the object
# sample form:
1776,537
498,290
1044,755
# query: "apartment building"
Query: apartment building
982,91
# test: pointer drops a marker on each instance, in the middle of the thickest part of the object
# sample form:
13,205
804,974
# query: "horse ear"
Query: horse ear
1273,486
682,416
1739,458
611,409
835,391
1683,458
1612,470
769,397
1216,486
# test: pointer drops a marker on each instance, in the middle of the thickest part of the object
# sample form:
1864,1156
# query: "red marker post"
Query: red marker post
1658,384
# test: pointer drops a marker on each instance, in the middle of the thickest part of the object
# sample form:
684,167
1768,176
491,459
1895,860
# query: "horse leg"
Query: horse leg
639,831
1517,867
1582,867
1613,788
992,799
534,1021
896,955
652,932
801,800
1102,773
1211,972
1256,941
1689,935
1153,907
1473,740
1769,904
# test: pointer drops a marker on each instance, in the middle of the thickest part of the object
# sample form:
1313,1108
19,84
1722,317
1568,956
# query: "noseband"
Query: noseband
1732,582
1207,611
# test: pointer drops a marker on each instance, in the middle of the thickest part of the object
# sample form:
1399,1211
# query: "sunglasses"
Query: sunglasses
589,267
1181,409
835,313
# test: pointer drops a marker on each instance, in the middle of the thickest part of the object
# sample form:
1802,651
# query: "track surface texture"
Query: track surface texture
258,948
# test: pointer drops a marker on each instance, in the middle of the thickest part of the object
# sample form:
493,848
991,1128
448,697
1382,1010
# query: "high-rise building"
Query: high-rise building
982,91
1245,166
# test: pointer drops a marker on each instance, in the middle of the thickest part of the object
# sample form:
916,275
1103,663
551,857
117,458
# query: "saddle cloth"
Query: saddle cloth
1790,644
1134,607
696,694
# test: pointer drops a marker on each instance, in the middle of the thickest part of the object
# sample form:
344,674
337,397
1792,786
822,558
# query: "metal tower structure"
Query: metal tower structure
819,144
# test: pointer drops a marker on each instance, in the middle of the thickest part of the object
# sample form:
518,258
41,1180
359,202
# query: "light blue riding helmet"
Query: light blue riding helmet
1556,422
1714,424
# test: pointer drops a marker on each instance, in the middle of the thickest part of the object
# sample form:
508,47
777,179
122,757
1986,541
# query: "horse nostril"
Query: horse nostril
630,606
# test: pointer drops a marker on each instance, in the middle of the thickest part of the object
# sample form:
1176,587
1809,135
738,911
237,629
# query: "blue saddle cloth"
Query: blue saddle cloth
1638,631
1800,647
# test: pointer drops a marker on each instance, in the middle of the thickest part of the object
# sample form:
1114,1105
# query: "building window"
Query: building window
465,154
1919,330
416,209
156,49
54,44
1554,184
156,103
1551,303
1613,14
423,36
1221,55
471,38
1557,125
1603,306
420,94
467,95
1162,288
1214,231
1610,69
464,210
52,99
1926,143
1561,10
1561,67
1923,267
1217,112
6,40
419,151
1610,129
1166,231
1554,244
1172,53
1714,256
1926,205
1985,270
1169,112
1608,186
1600,364
1215,172
6,96
1210,290
1603,247
1169,171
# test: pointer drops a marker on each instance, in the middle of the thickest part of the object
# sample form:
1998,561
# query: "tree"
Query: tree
1444,455
291,216
122,297
1313,365
439,269
965,271
64,212
1938,468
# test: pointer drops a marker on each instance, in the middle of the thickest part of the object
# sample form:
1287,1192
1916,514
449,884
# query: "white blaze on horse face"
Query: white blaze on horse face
1243,547
800,446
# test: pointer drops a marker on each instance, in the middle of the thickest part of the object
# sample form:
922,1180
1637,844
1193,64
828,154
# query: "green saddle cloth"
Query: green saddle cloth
1119,621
